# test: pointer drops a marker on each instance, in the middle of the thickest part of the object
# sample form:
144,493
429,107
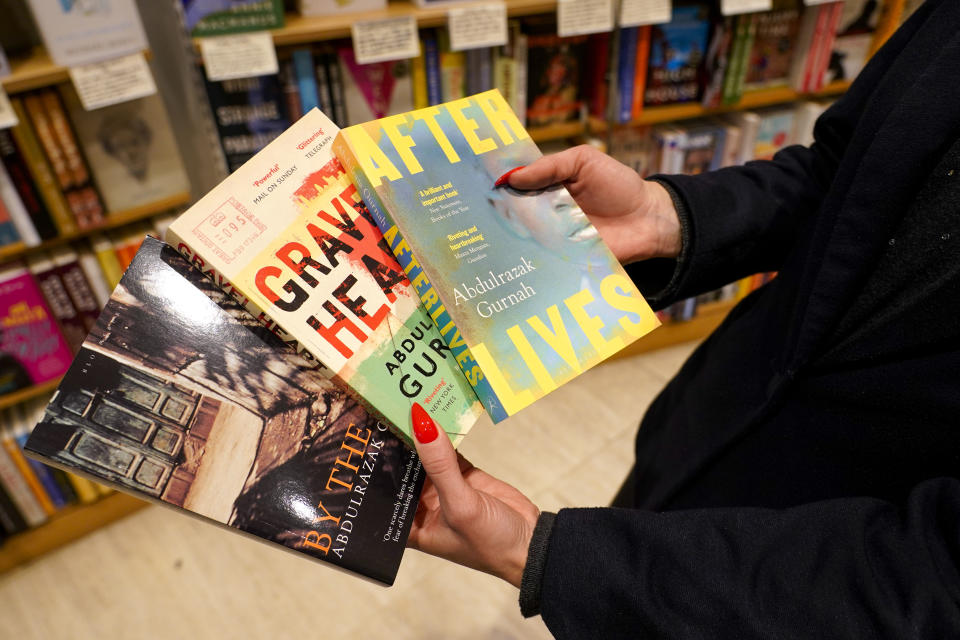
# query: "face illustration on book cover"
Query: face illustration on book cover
194,403
533,294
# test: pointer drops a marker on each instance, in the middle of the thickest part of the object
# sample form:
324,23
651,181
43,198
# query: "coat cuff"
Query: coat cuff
532,579
659,278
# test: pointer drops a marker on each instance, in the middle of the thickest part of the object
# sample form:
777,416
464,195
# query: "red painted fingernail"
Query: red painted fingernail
423,425
502,180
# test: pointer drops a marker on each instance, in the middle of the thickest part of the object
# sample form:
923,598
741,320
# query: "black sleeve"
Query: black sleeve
846,568
744,220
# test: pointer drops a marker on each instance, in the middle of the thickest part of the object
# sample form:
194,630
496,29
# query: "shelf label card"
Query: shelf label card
479,25
8,117
244,55
78,33
636,13
384,40
580,17
102,84
735,7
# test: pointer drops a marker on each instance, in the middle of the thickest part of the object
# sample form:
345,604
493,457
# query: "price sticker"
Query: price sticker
102,84
580,17
636,13
387,39
244,55
8,117
735,7
482,25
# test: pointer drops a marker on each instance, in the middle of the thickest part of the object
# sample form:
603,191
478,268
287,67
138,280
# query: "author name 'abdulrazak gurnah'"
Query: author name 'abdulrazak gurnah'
486,308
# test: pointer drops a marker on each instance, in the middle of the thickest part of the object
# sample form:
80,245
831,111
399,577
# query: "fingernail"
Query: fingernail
502,180
423,425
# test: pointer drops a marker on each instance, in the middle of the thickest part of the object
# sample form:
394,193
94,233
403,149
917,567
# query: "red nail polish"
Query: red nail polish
502,180
423,425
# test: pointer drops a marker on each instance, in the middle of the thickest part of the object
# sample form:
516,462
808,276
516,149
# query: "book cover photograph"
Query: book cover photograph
131,150
178,395
288,234
677,54
554,83
519,283
32,349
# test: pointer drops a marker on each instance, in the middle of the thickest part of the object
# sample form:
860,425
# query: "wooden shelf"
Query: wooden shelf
557,131
33,71
709,316
750,100
22,395
112,221
64,527
301,29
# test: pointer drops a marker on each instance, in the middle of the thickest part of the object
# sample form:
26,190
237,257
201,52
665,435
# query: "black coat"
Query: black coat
798,478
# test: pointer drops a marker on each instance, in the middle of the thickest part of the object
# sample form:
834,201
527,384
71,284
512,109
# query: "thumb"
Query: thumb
438,458
546,170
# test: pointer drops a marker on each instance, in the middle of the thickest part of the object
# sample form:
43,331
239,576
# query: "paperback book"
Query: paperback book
288,234
519,283
181,397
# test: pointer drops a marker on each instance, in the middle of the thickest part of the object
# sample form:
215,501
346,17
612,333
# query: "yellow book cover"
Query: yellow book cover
519,283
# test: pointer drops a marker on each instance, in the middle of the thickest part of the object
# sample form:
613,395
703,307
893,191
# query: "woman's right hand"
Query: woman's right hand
635,217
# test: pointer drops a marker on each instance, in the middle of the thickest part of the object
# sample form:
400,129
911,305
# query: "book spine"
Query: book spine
418,75
743,66
640,70
26,472
43,176
323,86
485,69
75,282
520,56
10,519
736,54
16,209
43,474
336,90
109,265
304,72
27,195
98,281
19,491
48,141
291,91
599,59
8,231
441,318
625,73
64,137
817,47
71,324
830,36
432,62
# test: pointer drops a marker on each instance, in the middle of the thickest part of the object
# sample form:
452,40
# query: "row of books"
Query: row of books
712,143
30,491
703,56
64,170
50,301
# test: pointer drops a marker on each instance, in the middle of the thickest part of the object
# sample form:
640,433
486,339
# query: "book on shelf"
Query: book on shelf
374,90
55,293
204,18
519,284
772,50
131,150
287,233
677,53
181,397
32,348
853,43
28,212
555,75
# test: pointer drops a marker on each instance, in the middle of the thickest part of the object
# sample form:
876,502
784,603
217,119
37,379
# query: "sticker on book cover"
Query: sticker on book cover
245,55
385,40
8,117
735,7
229,229
476,26
636,13
580,17
102,84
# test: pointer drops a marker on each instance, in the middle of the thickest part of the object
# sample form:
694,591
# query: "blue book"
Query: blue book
626,70
306,79
44,475
431,56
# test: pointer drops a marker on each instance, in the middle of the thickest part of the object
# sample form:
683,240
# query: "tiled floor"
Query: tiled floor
158,574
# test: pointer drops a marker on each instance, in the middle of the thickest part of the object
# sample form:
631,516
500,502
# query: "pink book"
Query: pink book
32,349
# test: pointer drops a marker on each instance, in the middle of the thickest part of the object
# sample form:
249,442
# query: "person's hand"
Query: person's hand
465,515
635,217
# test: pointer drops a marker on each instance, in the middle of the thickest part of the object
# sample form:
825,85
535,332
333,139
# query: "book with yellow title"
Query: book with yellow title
519,283
288,235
